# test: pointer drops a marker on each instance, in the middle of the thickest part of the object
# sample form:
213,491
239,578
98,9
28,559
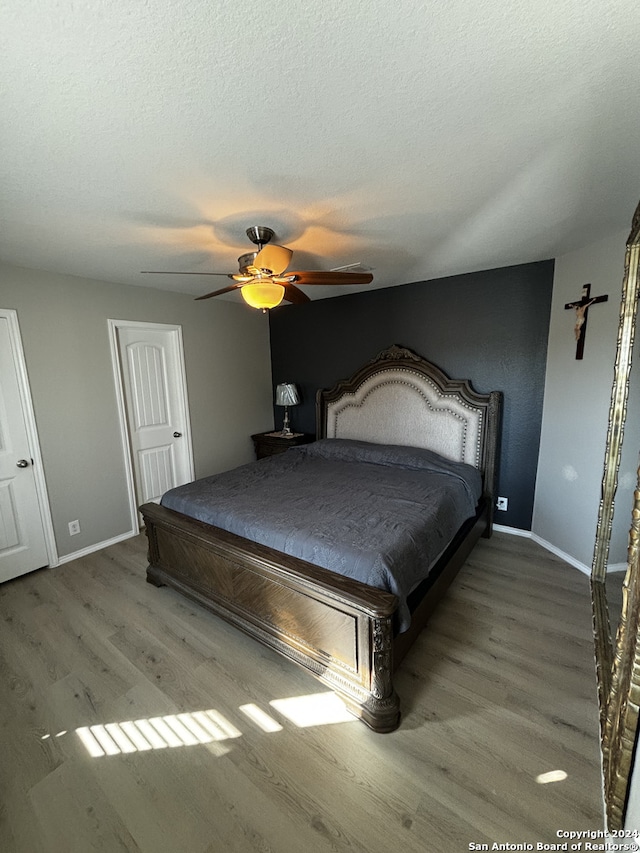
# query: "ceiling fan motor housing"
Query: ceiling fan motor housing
245,262
260,235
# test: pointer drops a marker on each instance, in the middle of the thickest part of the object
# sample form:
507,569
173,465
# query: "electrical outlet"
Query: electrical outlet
74,528
502,503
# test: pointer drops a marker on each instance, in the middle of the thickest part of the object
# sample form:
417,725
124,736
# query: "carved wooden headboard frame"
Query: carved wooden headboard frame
400,398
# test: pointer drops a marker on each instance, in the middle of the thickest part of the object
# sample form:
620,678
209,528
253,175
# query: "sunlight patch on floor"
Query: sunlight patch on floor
317,709
551,776
207,727
170,731
263,720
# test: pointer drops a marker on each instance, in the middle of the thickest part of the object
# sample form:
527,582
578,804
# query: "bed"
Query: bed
347,633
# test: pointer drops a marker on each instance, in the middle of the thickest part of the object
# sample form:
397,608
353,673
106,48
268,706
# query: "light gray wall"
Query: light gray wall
576,409
63,322
574,423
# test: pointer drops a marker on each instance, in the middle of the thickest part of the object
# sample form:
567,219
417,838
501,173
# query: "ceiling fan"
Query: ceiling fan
262,279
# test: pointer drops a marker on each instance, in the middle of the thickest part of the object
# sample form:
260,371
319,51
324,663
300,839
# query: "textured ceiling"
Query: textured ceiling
419,138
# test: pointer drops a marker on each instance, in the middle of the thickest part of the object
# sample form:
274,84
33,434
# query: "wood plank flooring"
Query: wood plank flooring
498,690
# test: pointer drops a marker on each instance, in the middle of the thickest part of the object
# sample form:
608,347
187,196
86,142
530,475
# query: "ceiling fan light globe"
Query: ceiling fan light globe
263,294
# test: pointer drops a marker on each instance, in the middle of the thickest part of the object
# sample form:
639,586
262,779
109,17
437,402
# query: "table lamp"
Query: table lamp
286,395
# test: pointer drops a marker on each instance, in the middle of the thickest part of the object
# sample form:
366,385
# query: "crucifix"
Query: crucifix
582,310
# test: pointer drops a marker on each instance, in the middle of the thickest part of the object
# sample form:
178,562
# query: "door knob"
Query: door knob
22,463
177,435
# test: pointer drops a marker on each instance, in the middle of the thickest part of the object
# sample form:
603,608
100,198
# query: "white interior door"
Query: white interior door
23,540
156,409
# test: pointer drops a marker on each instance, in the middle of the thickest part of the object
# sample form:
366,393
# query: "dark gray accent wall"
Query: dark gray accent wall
490,327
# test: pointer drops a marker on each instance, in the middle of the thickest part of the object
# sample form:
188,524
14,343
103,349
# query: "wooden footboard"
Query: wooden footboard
338,629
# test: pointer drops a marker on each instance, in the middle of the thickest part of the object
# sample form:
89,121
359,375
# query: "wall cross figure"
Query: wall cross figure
582,311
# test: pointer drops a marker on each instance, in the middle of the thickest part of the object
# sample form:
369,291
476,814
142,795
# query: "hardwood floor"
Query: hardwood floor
498,690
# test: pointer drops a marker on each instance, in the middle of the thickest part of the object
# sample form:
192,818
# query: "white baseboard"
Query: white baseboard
91,549
586,570
499,528
512,531
515,531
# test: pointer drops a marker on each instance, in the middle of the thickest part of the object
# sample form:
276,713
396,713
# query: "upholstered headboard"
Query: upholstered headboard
400,398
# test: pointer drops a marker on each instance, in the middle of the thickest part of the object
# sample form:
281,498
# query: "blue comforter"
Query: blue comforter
381,514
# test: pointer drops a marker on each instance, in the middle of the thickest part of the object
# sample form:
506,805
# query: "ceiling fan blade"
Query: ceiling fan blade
320,277
219,292
294,295
178,272
273,258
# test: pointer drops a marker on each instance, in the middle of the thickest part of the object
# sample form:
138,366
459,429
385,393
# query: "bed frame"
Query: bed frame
339,629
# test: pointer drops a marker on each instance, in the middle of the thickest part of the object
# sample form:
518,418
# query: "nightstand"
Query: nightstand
270,443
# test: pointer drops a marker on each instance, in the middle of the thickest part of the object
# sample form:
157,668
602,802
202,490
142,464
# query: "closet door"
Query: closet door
22,533
156,407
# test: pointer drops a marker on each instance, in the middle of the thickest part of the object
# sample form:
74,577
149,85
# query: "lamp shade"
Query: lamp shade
273,259
287,394
262,293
